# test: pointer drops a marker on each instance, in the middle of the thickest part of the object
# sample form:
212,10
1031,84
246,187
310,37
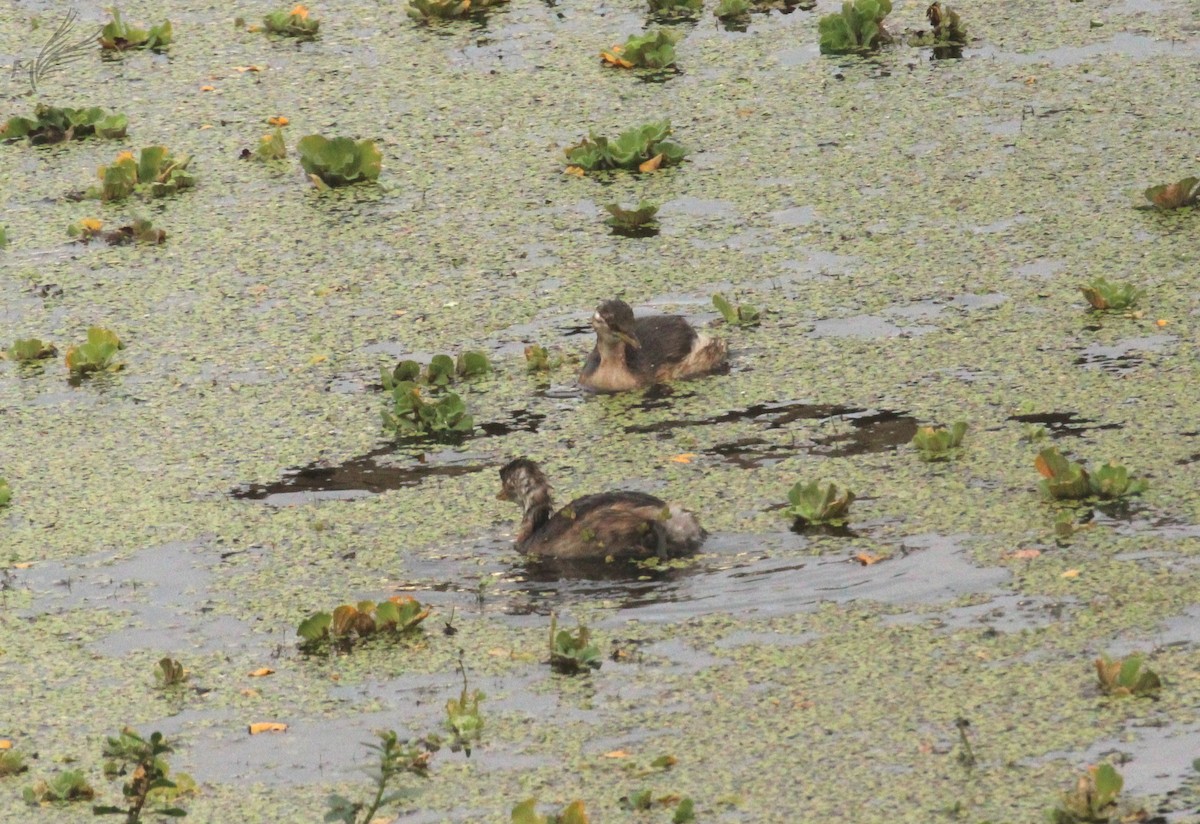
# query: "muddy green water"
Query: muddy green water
915,232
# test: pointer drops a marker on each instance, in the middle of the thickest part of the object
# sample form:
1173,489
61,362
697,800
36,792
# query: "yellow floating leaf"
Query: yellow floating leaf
1026,554
278,120
261,672
866,558
5,744
1071,573
651,164
1161,322
208,88
91,224
574,170
267,726
616,754
23,565
683,457
204,126
244,69
299,11
250,693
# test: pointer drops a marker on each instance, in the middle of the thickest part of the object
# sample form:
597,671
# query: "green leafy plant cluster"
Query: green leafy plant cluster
396,758
815,504
526,813
668,9
97,354
1069,481
155,172
428,11
117,35
857,28
652,50
411,414
743,314
441,371
1104,296
271,146
11,761
339,161
463,719
637,222
169,673
143,760
350,623
733,10
28,350
1126,676
539,359
572,653
644,148
51,124
937,443
948,28
1094,799
1177,195
294,23
67,786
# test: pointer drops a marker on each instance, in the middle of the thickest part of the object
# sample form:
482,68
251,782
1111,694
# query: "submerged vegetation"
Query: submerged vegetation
652,50
51,124
813,504
1069,481
1126,676
117,35
857,28
644,148
340,161
936,443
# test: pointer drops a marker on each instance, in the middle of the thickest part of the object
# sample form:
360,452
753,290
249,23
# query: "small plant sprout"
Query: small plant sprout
637,222
294,23
684,811
569,653
733,11
271,146
11,761
64,788
856,29
349,623
1169,196
462,716
1064,480
411,414
51,124
117,35
1105,296
676,9
429,11
156,172
1094,798
169,673
145,763
526,813
340,161
1126,676
936,443
644,148
742,314
28,350
97,354
813,504
653,50
396,758
537,358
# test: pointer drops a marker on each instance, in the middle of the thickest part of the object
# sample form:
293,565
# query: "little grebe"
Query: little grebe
595,527
634,353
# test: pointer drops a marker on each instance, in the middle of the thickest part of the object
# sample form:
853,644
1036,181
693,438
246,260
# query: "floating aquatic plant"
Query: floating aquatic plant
169,673
684,811
3,236
51,124
117,35
571,653
156,172
67,786
637,222
1069,481
1186,192
937,443
144,761
537,358
97,354
673,9
743,314
653,50
644,148
857,28
340,161
441,371
294,23
948,29
11,761
427,11
1126,676
526,813
5,492
1094,799
463,718
733,11
271,146
141,230
396,758
815,504
1103,295
27,350
85,229
350,623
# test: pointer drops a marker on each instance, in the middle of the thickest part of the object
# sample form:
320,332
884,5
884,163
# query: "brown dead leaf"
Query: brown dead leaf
651,164
261,672
249,693
1025,554
244,69
208,88
257,289
5,744
1161,322
23,565
574,170
616,754
1071,573
1043,468
866,558
684,457
267,726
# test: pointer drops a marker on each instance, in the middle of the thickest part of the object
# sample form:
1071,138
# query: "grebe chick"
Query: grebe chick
595,527
634,353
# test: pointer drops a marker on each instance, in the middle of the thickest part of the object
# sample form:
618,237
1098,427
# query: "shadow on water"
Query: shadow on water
1063,424
775,415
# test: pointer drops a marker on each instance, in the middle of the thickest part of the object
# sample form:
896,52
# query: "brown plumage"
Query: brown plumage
595,527
633,353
